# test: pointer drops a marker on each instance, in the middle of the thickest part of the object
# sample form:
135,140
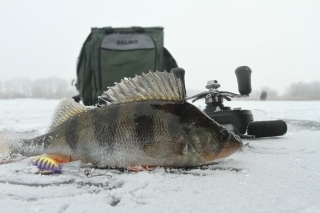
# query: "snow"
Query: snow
278,174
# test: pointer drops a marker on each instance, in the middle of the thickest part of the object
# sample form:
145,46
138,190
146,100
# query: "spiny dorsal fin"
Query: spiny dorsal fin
66,109
151,86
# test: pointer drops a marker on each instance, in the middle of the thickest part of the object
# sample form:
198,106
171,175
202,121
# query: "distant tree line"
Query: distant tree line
50,88
57,88
304,90
295,91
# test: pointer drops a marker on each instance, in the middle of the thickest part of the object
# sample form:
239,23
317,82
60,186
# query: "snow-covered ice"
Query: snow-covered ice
278,174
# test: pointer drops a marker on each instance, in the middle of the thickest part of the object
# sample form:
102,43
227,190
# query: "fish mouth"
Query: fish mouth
230,146
237,140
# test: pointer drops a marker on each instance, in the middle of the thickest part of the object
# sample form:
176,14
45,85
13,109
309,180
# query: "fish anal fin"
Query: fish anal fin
166,149
60,158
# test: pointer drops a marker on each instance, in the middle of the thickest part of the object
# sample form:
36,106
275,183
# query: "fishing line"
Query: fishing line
89,174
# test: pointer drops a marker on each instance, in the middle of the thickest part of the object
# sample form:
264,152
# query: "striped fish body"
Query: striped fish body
155,133
146,122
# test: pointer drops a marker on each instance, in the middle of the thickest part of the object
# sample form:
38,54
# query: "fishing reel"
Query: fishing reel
237,120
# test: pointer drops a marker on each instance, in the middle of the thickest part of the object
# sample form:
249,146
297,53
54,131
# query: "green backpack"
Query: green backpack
110,54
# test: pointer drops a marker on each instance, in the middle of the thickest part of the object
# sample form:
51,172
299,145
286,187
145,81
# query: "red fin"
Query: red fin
141,168
59,158
5,161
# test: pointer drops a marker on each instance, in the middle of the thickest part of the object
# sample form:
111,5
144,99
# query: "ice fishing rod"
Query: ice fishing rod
237,120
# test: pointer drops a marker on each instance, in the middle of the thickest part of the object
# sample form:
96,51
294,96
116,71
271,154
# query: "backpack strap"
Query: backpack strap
168,61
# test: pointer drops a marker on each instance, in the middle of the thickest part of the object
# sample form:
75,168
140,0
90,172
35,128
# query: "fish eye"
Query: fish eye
224,135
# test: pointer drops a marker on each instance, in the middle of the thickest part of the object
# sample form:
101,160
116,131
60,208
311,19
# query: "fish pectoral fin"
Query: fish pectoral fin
165,149
141,168
60,158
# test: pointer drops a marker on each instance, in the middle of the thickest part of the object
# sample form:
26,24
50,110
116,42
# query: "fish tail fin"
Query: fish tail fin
9,148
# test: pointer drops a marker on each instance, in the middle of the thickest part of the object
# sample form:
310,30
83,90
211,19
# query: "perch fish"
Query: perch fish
145,122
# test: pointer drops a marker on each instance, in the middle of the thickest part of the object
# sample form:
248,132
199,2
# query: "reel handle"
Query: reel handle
179,73
244,80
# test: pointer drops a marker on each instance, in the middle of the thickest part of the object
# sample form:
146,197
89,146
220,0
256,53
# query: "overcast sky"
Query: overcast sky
279,40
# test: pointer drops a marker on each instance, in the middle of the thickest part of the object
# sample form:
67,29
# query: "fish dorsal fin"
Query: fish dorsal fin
66,109
151,86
